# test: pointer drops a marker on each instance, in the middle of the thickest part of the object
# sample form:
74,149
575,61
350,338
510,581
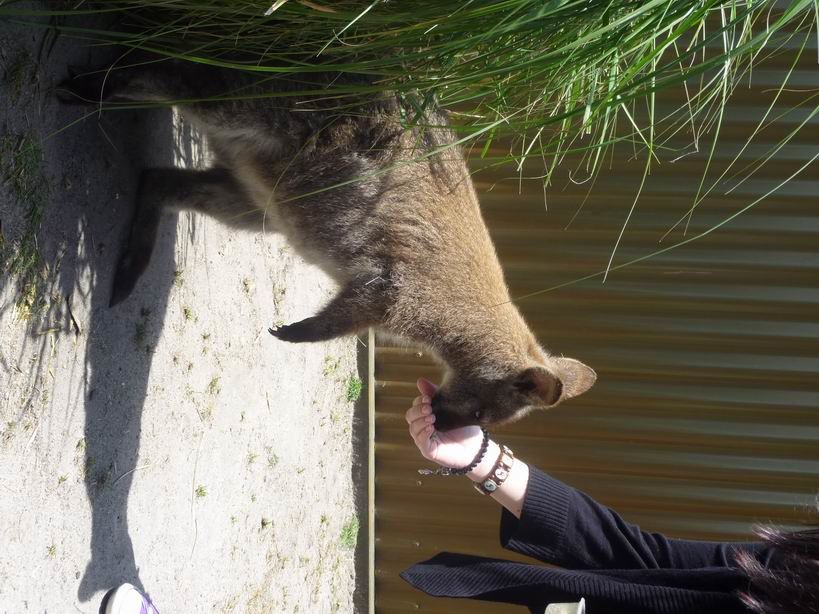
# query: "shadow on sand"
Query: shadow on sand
93,167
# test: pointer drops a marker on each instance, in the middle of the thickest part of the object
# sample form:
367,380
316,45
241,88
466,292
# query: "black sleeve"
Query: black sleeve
565,527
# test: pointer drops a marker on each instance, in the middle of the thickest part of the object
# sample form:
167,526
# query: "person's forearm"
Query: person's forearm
513,490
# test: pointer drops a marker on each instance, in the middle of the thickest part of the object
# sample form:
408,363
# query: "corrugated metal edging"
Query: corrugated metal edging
705,417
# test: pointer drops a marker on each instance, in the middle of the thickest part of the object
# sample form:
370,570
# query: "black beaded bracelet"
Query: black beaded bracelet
463,470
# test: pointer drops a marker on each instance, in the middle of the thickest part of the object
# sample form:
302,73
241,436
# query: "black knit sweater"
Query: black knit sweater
614,565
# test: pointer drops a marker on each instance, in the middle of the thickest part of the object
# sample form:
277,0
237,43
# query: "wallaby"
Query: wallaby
384,205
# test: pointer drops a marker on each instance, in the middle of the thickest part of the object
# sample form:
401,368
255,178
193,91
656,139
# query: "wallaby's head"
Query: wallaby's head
464,400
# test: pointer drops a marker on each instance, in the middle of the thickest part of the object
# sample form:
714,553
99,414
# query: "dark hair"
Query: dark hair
791,586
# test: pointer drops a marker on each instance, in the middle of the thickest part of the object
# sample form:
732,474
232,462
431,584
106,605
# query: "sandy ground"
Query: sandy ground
169,441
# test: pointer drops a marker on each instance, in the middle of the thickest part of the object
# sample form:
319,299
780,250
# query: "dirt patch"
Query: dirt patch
170,441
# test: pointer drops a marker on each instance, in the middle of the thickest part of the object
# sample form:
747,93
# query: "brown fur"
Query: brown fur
390,212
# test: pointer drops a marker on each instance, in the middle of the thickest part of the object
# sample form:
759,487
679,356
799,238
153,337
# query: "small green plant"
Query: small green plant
251,458
266,522
331,365
354,387
214,386
141,329
187,313
206,413
205,348
88,466
21,170
272,458
52,551
178,278
349,533
278,297
20,165
18,72
140,333
201,492
62,479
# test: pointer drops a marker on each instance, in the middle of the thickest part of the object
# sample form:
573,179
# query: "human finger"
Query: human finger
423,438
426,387
416,411
408,415
418,425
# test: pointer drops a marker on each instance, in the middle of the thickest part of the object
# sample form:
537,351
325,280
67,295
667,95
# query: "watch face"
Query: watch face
501,473
490,485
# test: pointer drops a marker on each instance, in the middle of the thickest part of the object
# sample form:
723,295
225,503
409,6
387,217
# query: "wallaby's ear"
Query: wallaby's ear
577,378
541,384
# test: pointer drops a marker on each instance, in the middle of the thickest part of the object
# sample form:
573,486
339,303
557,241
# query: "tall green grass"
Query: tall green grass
527,81
541,72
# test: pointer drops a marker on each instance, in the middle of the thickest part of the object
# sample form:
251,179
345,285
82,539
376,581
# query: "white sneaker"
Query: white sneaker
126,599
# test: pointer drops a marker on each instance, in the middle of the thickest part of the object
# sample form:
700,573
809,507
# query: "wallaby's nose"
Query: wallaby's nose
446,419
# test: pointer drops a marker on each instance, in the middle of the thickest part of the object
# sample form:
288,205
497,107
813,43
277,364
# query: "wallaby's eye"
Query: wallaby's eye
477,415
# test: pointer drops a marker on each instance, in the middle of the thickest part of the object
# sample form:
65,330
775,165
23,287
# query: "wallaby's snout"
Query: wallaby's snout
448,416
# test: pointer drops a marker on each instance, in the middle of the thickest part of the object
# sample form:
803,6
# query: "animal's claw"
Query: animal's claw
297,332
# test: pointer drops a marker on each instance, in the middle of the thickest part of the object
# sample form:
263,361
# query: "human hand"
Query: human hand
459,447
456,448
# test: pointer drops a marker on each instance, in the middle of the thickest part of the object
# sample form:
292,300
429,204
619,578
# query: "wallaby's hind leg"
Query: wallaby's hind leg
213,192
361,303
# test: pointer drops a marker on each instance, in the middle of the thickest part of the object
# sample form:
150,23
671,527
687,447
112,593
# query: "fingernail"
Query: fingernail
425,399
426,409
430,419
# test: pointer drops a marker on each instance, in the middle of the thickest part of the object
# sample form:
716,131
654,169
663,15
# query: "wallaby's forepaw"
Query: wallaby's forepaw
81,88
298,332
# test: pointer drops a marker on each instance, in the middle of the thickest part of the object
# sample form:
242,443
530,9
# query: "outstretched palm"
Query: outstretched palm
456,448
